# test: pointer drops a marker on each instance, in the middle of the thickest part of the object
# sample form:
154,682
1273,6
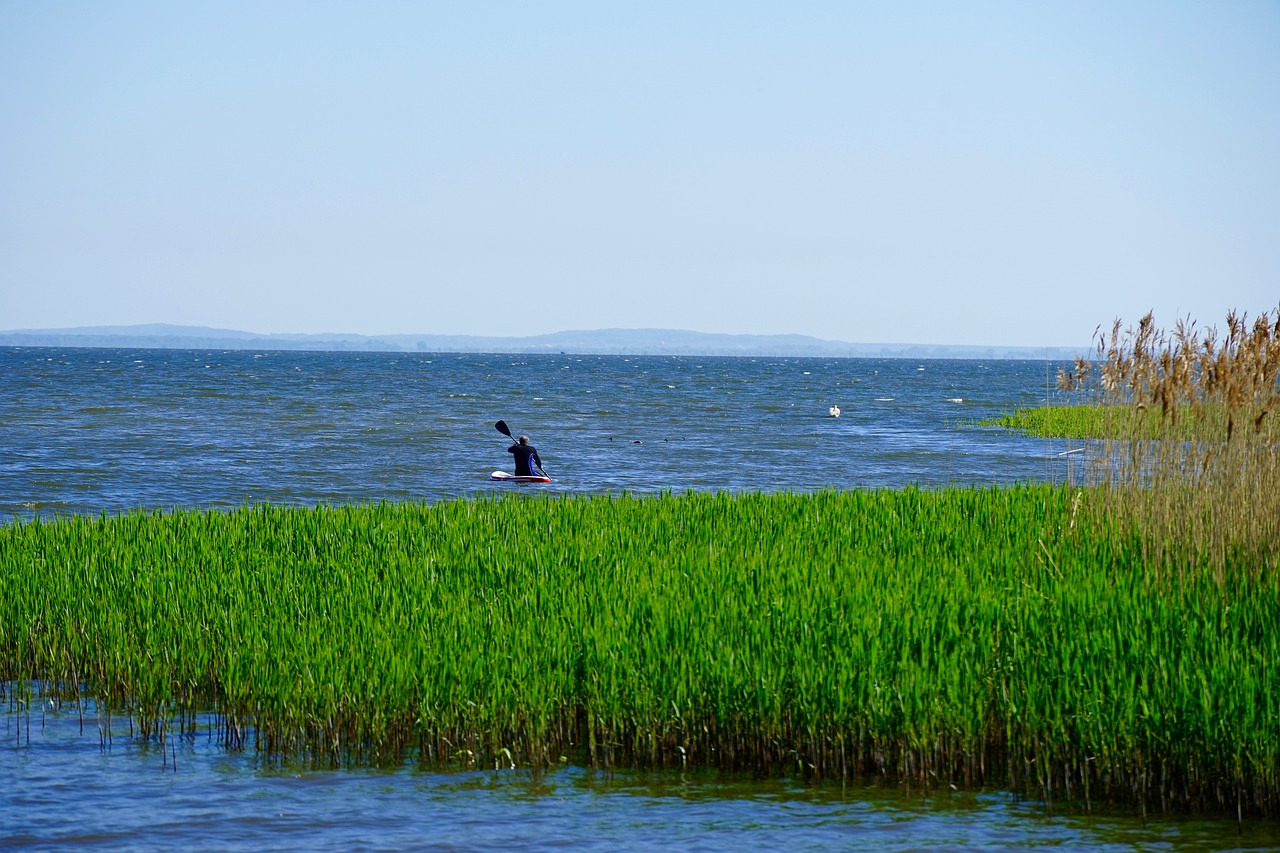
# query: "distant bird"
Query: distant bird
834,411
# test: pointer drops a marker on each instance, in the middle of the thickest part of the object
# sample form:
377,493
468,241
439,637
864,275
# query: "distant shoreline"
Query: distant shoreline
596,342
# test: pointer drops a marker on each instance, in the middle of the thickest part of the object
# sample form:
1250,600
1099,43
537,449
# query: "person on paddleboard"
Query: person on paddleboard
523,452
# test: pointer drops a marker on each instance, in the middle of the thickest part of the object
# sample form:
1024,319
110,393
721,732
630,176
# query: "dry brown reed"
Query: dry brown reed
1207,486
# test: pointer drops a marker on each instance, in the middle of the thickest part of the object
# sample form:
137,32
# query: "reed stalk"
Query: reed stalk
1190,448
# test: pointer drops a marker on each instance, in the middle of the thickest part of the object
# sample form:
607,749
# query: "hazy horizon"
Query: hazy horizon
975,174
184,328
575,341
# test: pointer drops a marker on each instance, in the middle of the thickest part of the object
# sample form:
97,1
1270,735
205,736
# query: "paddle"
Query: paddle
501,426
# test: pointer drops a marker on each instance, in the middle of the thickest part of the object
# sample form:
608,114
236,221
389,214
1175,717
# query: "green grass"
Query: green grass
970,636
1082,421
1053,421
1125,422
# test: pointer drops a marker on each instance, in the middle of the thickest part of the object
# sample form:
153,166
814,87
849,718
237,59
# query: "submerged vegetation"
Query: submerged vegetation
964,636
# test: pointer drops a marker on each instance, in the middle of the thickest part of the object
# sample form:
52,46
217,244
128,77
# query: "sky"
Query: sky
949,173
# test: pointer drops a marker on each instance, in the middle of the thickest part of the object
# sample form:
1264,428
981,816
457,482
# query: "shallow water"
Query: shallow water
62,790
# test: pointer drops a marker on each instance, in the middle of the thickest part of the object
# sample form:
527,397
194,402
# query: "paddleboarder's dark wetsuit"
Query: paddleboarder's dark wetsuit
523,452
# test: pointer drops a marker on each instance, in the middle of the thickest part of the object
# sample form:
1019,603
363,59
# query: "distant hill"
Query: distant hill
600,341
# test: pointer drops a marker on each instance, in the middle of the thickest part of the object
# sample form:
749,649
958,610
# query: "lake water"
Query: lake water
93,431
60,789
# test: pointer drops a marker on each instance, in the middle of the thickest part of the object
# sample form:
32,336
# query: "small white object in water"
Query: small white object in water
834,411
955,399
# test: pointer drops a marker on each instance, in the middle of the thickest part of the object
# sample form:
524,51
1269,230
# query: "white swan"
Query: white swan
834,411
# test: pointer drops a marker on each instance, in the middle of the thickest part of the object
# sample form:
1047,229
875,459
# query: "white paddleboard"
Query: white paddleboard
503,476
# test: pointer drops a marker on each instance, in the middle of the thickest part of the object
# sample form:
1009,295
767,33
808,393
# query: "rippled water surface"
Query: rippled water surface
88,430
92,431
60,789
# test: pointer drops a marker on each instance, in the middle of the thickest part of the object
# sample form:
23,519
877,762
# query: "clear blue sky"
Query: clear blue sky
956,172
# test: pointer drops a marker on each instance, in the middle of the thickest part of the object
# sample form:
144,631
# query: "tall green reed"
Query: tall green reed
965,636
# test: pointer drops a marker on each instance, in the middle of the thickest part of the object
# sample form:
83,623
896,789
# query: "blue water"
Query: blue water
93,431
62,789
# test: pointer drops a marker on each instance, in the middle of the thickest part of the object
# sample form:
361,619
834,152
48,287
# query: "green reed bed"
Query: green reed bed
963,636
1087,422
1052,421
1096,421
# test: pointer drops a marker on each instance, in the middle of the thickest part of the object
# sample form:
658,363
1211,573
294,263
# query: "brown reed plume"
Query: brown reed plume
1191,447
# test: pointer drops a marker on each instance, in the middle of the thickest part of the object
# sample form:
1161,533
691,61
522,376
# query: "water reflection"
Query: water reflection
62,790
